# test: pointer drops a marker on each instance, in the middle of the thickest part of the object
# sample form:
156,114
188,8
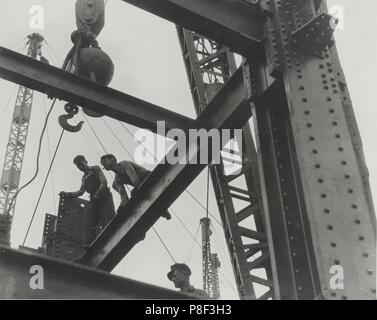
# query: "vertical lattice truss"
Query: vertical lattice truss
16,147
236,182
215,265
211,262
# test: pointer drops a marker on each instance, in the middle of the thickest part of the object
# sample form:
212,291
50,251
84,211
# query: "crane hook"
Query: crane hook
71,110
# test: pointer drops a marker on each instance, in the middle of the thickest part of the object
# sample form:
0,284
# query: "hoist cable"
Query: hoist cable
191,248
38,157
117,138
163,243
50,158
17,43
95,134
44,185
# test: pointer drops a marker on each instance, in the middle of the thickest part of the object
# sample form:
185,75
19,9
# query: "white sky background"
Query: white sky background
148,65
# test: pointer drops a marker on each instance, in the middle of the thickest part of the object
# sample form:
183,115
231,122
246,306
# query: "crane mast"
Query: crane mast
16,147
211,262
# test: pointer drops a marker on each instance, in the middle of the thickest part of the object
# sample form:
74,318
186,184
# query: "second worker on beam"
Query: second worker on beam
126,173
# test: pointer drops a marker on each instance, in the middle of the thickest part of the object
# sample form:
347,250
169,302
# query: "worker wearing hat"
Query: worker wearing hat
180,276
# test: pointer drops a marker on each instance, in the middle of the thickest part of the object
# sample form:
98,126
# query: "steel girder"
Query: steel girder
235,23
64,280
64,85
229,109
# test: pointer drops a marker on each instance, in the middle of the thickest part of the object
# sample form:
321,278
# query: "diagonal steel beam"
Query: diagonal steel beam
64,280
235,23
55,82
228,109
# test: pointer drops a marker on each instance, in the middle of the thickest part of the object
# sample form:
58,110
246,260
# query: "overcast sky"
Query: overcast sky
148,65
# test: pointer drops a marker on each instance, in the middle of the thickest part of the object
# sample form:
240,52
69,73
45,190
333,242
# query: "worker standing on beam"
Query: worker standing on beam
101,200
126,173
180,274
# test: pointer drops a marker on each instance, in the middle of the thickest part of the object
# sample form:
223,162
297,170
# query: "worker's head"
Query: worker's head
179,275
108,161
81,163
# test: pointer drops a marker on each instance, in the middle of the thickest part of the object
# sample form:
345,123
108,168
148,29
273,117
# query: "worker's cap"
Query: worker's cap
179,267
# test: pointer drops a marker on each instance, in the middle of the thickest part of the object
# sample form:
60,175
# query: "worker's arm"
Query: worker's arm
123,196
119,187
75,194
103,181
136,172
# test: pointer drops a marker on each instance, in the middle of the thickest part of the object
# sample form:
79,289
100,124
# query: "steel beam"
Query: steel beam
320,219
64,280
235,23
57,83
228,109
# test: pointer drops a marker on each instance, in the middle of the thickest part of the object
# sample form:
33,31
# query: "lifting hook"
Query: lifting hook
71,110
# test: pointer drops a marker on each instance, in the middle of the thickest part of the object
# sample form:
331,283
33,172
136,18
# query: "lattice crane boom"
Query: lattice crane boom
211,262
15,150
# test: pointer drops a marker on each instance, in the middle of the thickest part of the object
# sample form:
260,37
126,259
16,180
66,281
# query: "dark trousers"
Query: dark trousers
102,211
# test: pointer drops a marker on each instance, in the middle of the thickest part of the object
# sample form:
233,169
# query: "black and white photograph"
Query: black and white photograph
201,151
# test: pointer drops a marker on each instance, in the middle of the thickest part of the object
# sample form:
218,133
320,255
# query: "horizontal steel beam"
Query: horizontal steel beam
69,87
228,109
64,280
235,23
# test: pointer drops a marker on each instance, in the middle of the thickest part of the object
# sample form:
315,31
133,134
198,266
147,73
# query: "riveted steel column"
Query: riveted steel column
321,221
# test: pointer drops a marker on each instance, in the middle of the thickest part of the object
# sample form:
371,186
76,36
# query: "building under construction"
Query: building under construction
297,215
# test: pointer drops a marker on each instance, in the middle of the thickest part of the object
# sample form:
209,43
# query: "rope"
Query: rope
190,251
92,147
44,185
163,243
17,43
54,54
38,157
88,141
204,208
50,158
117,138
91,128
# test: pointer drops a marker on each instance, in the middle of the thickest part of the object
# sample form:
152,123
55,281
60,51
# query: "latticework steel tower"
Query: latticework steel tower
16,147
209,65
211,262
